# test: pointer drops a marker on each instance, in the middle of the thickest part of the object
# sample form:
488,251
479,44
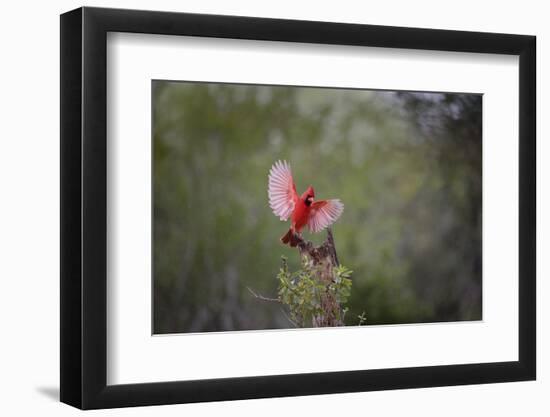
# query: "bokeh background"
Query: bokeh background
408,167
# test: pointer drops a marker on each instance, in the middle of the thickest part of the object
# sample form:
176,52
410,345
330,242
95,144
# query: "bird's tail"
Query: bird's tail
289,238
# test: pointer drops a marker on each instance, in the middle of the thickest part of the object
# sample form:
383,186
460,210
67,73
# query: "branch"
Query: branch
273,300
261,297
330,240
288,318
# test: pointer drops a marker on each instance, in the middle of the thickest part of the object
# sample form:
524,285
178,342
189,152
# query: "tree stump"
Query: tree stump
324,259
331,285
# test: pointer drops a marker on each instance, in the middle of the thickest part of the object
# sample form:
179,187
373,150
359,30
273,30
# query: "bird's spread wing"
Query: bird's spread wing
324,213
281,190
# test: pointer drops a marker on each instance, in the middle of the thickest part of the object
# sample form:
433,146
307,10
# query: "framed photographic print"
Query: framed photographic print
257,207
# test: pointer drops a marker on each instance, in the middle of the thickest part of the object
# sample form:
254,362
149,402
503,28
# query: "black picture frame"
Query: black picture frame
84,207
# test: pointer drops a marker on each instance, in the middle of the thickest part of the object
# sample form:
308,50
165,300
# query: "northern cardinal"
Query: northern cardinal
303,210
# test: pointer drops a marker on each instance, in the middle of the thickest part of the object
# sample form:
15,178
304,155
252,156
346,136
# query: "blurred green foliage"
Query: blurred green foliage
406,165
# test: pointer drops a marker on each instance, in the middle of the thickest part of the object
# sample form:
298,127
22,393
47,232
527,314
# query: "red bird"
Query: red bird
285,203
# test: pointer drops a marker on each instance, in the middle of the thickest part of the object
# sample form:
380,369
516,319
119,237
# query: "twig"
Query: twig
273,300
261,297
330,239
288,318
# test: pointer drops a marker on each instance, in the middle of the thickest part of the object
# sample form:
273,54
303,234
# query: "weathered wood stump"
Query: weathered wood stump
324,258
321,261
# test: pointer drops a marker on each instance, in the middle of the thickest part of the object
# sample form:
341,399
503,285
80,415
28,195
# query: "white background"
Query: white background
30,205
134,356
